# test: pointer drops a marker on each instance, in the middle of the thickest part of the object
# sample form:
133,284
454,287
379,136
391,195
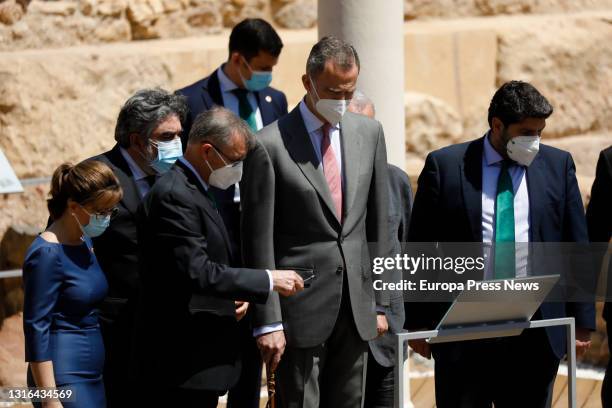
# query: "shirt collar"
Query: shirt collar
137,172
194,171
311,122
490,154
226,84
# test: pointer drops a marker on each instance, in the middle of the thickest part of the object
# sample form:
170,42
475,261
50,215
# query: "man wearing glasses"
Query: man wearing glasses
242,85
186,331
148,134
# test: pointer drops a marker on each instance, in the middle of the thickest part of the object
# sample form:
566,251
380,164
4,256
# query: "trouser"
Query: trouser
509,372
606,388
379,385
245,393
329,375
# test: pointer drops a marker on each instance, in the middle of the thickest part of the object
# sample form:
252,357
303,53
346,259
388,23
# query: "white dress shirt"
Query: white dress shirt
491,167
140,177
314,127
230,101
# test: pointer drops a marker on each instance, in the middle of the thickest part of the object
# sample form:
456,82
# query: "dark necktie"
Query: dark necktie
151,180
211,197
245,109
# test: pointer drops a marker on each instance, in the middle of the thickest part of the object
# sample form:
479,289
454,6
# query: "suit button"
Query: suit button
340,240
339,270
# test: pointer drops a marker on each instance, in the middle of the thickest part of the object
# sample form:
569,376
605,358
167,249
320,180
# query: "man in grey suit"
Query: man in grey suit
381,358
315,196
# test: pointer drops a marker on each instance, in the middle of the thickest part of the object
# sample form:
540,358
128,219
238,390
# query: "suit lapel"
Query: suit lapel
212,92
536,185
205,203
300,148
471,185
264,101
131,197
351,159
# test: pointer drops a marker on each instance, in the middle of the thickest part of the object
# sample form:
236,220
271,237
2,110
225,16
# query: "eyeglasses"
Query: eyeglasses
222,155
104,213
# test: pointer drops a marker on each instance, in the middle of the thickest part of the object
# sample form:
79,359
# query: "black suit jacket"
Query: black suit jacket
204,95
448,208
599,211
117,249
400,208
187,331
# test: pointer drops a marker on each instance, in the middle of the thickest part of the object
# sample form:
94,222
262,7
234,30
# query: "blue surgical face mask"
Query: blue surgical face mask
259,79
167,154
97,224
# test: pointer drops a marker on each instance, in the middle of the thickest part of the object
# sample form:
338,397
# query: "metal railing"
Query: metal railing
13,273
480,332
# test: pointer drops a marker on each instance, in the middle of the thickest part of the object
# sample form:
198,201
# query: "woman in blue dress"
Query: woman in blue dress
63,284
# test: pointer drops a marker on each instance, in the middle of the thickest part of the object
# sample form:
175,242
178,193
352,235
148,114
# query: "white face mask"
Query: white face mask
226,176
331,109
523,149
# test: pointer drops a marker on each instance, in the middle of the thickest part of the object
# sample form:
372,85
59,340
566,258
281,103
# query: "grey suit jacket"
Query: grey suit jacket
400,208
288,222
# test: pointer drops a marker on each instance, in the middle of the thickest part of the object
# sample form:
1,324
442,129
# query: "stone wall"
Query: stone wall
60,23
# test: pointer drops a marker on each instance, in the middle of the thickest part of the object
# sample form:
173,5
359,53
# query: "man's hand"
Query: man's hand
241,309
583,341
287,283
381,324
272,346
421,347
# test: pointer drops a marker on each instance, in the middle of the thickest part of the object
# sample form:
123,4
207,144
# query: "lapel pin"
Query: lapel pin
268,98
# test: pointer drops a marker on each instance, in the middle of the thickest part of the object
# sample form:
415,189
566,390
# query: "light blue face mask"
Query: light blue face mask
97,224
259,79
167,154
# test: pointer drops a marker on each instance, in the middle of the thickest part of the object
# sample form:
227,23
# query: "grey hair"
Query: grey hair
217,126
144,111
361,101
331,48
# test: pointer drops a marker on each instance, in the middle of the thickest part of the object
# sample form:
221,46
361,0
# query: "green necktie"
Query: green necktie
245,109
504,226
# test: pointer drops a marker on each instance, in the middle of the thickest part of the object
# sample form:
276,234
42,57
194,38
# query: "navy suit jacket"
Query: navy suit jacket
204,95
448,208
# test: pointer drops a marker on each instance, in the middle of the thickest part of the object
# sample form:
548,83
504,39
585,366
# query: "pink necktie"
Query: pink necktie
331,170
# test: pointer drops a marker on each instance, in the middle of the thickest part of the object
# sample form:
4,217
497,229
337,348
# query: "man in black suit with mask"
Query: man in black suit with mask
148,140
599,221
187,332
242,85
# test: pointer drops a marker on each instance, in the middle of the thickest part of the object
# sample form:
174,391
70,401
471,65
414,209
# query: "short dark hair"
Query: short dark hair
217,126
252,35
516,101
144,111
331,48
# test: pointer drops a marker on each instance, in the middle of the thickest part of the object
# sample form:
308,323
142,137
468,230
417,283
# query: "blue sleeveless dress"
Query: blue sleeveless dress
63,284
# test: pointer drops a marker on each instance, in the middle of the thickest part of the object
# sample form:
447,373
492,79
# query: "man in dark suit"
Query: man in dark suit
315,194
241,85
187,331
148,118
381,358
599,220
503,187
